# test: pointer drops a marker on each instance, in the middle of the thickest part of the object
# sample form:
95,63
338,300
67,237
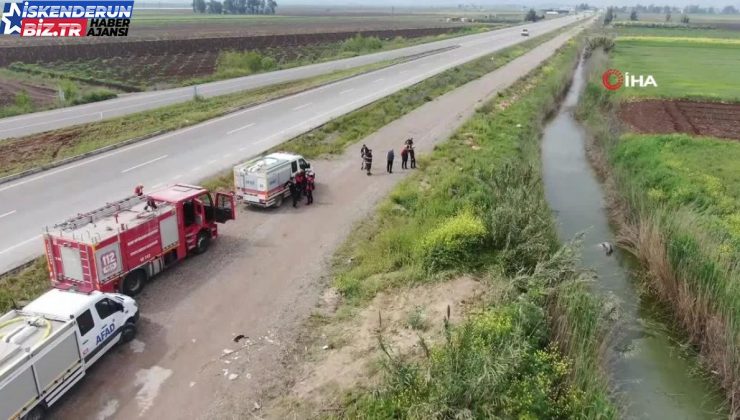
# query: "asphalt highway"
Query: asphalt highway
191,154
137,102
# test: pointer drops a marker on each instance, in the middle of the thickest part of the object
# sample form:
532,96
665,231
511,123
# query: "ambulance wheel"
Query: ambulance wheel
278,201
128,332
201,245
133,284
37,413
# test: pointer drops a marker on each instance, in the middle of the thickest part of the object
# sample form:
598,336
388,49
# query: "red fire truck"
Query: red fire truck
117,247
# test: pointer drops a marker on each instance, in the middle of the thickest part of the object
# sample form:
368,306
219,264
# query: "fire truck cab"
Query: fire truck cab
119,246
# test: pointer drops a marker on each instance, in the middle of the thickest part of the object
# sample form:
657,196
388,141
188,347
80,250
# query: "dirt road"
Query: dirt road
261,278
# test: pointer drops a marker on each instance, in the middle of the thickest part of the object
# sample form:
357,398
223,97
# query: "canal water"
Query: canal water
653,376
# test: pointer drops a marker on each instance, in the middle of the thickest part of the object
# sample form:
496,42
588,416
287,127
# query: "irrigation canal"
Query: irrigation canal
653,376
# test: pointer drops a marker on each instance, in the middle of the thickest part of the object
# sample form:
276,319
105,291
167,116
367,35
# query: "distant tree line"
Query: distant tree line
235,7
693,9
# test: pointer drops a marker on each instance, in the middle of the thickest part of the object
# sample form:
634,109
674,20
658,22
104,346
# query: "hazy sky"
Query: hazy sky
442,3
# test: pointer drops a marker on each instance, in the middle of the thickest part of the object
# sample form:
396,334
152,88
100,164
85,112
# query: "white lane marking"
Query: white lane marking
143,164
214,121
346,91
378,80
212,161
7,214
228,133
19,244
302,106
227,155
243,149
176,177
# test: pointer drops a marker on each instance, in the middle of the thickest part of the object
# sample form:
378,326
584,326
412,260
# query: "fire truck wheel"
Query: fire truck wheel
36,414
133,283
128,332
203,241
278,201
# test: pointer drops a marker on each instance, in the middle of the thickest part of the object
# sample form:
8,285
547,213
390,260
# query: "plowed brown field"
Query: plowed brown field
696,118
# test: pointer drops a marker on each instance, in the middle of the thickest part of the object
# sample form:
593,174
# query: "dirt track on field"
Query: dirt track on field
262,278
39,95
694,118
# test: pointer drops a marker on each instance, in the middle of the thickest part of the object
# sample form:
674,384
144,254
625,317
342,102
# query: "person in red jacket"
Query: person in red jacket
405,158
300,182
310,186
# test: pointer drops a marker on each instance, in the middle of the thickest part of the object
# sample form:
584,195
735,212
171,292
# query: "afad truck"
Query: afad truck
118,247
47,347
262,181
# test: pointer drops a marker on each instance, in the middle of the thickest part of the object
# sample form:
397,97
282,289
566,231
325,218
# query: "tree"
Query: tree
668,16
609,16
215,7
199,6
271,6
253,6
531,16
633,15
685,19
729,10
241,6
229,7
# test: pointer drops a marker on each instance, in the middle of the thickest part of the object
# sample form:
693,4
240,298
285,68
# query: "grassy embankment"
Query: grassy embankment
27,285
477,207
676,197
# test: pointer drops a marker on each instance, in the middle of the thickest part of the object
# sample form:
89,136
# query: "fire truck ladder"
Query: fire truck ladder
109,209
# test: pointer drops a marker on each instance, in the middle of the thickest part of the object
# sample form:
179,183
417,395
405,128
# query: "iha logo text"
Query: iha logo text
614,79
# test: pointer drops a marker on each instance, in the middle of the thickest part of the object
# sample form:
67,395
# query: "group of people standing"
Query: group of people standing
407,154
303,183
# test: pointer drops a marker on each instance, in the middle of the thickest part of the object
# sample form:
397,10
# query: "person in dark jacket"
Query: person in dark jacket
362,155
369,161
412,157
410,142
300,182
390,158
294,193
405,158
310,186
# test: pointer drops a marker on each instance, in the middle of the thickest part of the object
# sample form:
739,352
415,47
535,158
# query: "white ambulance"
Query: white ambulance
262,181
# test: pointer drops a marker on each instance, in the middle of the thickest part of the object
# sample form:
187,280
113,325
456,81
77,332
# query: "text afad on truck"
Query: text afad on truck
47,347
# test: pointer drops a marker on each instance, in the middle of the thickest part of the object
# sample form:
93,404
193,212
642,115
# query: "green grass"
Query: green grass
679,207
534,355
87,137
693,32
24,286
682,69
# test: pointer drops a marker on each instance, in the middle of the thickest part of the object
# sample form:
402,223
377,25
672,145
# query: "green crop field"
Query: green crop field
683,68
679,170
673,31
